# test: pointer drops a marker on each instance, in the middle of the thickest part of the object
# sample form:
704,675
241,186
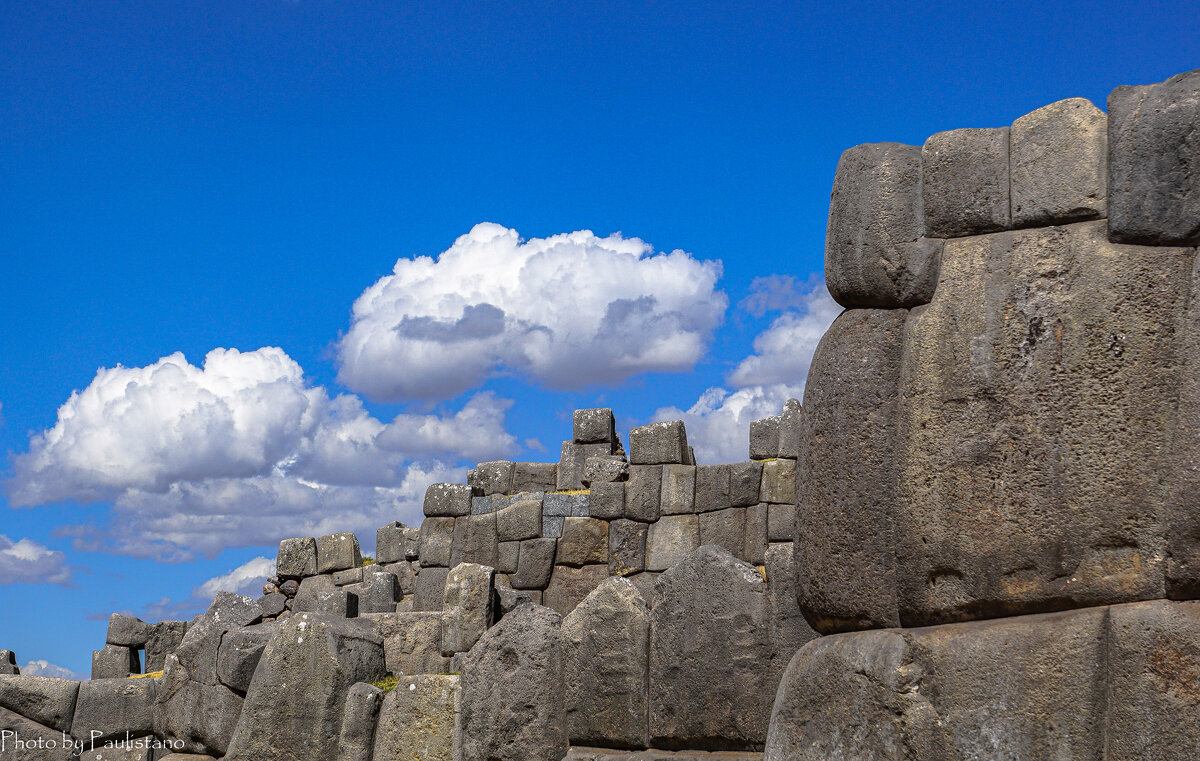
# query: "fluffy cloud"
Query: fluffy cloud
246,579
46,668
569,310
27,562
240,451
718,424
783,351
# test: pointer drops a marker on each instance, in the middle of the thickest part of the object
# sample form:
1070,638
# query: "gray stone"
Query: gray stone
626,547
1182,515
964,182
389,543
643,493
764,438
584,541
293,709
437,535
779,482
348,576
708,645
790,425
110,708
431,583
341,602
757,525
604,470
520,520
605,644
272,605
725,528
659,444
781,522
712,488
593,426
297,558
512,706
46,700
678,491
494,477
231,609
128,631
378,592
412,642
115,662
458,544
481,540
509,599
568,586
239,654
646,584
467,610
139,749
508,557
607,501
8,662
1154,162
289,588
419,720
337,552
572,463
412,543
552,526
535,564
1059,164
310,588
744,481
670,540
164,640
363,701
535,477
788,630
40,743
565,506
447,500
193,710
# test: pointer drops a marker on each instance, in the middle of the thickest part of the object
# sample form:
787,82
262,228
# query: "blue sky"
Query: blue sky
188,176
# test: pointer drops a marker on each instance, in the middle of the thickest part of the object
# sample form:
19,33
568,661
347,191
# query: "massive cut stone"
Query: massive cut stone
494,477
643,493
337,552
659,444
745,479
467,611
41,743
584,541
311,589
481,540
46,700
293,709
605,641
512,706
573,461
239,653
377,593
789,429
875,255
568,586
764,438
712,488
297,558
447,500
607,500
534,564
1182,517
108,709
779,482
708,653
788,631
128,631
670,540
757,517
593,426
678,493
115,662
359,717
535,477
1038,393
725,528
1059,164
965,182
437,536
431,584
8,662
412,642
626,547
606,469
418,720
520,520
1154,162
389,543
845,553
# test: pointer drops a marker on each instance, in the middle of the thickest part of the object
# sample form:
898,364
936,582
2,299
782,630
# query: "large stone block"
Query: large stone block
431,584
115,662
670,540
875,255
389,543
659,444
1154,162
46,700
437,538
418,720
593,426
481,543
708,648
584,541
107,709
1038,394
779,482
447,500
534,564
8,663
195,715
535,477
965,182
626,547
494,477
310,590
678,493
337,552
378,592
41,743
164,641
605,653
520,520
712,488
643,493
128,631
745,478
788,631
512,706
1059,156
572,463
781,523
297,558
607,501
725,528
565,506
764,438
359,718
508,557
239,653
412,642
757,524
790,424
1182,515
604,470
568,586
467,611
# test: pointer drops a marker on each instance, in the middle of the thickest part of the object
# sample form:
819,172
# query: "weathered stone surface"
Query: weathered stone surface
458,543
418,720
670,540
572,463
535,564
757,524
481,540
779,482
605,654
964,182
297,558
8,662
790,424
359,717
708,646
520,520
584,541
643,493
337,552
605,469
412,543
593,426
659,444
725,528
272,605
128,631
564,506
230,609
46,700
1059,156
239,654
607,500
43,744
583,753
140,749
1038,393
447,500
678,493
109,708
744,481
764,438
512,706
389,543
494,477
310,589
348,576
412,642
845,547
437,534
115,662
1182,515
431,583
568,586
1154,162
293,709
405,572
191,710
712,488
467,611
508,557
788,630
626,547
342,602
552,526
535,477
378,592
781,523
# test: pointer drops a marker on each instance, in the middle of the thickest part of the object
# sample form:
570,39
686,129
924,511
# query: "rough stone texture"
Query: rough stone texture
572,463
430,585
467,611
297,558
781,523
239,653
583,753
535,564
875,255
565,506
412,642
342,603
494,477
412,543
725,528
535,477
764,438
845,554
552,526
593,426
789,429
1154,162
109,708
406,577
744,481
115,662
670,540
310,589
678,493
389,543
757,522
605,469
481,540
418,720
192,707
1038,386
712,488
1059,156
293,709
508,557
437,534
357,740
520,520
128,631
708,645
964,181
272,605
643,493
626,547
46,700
459,542
337,552
447,500
1182,515
779,482
568,586
512,706
788,630
607,501
377,593
42,743
605,644
584,541
229,609
348,576
8,662
659,444
164,641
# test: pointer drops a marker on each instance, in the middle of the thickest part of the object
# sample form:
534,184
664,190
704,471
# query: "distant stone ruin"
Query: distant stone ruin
977,539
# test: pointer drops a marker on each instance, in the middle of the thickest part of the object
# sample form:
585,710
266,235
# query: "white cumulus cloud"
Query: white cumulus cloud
27,562
718,424
42,667
784,350
246,579
569,310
